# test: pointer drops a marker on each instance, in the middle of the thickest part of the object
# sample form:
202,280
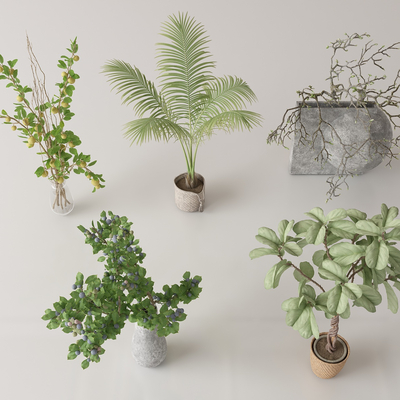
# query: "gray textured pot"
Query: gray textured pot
189,201
353,127
148,349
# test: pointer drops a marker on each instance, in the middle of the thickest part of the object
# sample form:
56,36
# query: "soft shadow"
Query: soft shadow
179,351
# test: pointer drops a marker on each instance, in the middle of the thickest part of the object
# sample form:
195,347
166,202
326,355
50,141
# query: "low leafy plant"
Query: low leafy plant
41,122
356,77
100,306
353,248
191,103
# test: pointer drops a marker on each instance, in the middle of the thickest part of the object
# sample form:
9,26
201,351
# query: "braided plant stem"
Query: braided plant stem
331,337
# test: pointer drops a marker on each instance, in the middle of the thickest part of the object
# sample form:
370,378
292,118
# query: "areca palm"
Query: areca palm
191,103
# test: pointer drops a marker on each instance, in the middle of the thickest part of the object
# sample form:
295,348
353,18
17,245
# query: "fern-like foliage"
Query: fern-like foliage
191,103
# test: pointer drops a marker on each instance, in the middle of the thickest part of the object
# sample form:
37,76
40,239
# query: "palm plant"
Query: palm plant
191,103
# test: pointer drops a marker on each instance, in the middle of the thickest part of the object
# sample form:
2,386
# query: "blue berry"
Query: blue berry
103,325
103,218
116,216
101,285
78,286
116,326
57,313
89,313
79,326
168,303
189,294
63,310
144,320
136,278
141,255
88,359
89,341
81,295
84,337
108,221
93,352
129,249
112,277
104,337
66,323
114,238
130,273
97,240
82,332
74,286
88,326
77,352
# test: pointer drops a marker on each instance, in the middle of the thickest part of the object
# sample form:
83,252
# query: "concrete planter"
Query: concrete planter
353,126
189,201
323,368
148,349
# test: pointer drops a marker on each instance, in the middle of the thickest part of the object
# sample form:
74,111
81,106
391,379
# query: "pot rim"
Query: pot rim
339,104
339,361
181,176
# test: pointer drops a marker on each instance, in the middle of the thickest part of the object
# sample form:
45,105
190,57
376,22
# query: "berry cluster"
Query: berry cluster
99,307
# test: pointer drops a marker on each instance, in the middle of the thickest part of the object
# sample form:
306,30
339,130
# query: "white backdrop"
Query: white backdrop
235,343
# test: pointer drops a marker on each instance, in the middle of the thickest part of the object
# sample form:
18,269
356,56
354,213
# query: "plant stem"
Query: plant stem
331,337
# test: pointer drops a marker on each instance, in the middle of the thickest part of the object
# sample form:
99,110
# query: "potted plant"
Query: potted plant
190,105
99,307
346,130
40,123
358,258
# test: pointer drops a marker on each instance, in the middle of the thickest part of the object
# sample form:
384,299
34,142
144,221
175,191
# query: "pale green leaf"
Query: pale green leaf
262,252
318,257
335,215
358,215
267,242
314,325
333,271
290,304
368,228
301,227
293,249
269,234
316,234
352,291
274,274
393,302
377,255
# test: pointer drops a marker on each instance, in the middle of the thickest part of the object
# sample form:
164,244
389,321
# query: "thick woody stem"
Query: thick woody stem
331,337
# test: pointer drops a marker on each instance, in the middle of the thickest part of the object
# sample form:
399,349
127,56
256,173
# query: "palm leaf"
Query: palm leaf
135,88
184,64
228,121
144,129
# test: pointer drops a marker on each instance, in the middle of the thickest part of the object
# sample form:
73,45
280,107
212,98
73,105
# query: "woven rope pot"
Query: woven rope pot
327,369
189,201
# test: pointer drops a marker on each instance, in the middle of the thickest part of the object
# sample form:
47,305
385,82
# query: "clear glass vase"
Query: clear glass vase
61,200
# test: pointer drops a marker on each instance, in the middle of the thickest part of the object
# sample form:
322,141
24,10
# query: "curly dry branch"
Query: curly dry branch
359,94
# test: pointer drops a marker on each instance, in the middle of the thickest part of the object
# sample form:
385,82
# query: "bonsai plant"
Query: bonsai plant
358,258
190,105
40,123
346,129
99,307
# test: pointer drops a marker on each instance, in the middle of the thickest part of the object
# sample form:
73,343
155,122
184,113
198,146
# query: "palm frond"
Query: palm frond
229,121
135,88
224,94
145,129
184,63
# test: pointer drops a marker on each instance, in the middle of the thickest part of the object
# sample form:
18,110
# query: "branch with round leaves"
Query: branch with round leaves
41,122
352,246
99,307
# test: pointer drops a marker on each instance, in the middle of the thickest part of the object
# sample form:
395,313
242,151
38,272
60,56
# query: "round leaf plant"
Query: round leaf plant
40,123
358,259
100,306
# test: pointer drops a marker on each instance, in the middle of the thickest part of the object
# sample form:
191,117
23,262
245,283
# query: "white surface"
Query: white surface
234,343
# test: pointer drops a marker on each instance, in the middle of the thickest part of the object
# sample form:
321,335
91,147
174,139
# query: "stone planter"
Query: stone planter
148,349
189,201
353,126
325,368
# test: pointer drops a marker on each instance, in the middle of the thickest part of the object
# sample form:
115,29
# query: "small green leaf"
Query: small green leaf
274,274
101,259
393,302
317,214
293,248
269,234
333,271
314,325
316,234
368,228
335,215
262,252
377,255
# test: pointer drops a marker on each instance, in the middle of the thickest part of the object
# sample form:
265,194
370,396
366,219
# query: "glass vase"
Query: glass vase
61,200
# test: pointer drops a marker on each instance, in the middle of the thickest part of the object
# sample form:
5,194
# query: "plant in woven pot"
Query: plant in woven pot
41,124
357,258
190,104
346,130
99,307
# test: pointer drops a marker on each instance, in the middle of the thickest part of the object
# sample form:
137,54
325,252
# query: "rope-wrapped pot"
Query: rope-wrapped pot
327,369
189,201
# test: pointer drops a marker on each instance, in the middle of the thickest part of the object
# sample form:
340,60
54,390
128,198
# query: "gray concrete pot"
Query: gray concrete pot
353,126
148,349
